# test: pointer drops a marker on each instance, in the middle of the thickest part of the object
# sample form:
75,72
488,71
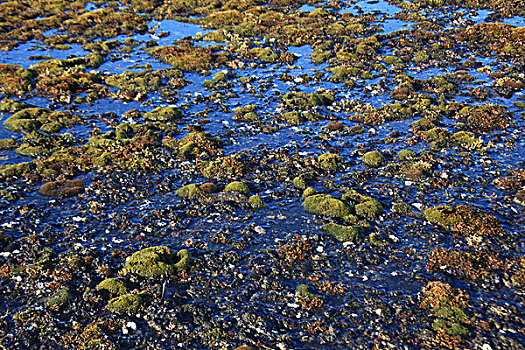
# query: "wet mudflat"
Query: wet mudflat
262,174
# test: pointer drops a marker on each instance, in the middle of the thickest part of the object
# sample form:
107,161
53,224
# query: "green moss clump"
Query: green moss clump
163,114
373,159
303,291
246,114
302,101
309,191
256,202
294,118
63,189
112,286
467,140
14,80
25,120
369,209
238,186
157,261
184,262
439,215
299,183
341,233
6,144
60,300
135,82
125,304
392,60
375,240
421,57
220,77
406,154
422,125
265,55
327,205
402,209
187,57
15,170
191,191
330,161
12,106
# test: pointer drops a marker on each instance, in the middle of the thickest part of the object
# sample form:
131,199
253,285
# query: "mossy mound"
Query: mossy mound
14,80
60,300
309,191
369,209
63,188
125,304
30,119
163,114
25,120
464,220
302,101
373,159
330,161
364,205
112,286
265,55
327,205
6,144
237,186
135,83
158,261
441,214
256,202
406,154
13,106
187,57
467,140
191,191
194,144
341,233
299,183
303,291
245,114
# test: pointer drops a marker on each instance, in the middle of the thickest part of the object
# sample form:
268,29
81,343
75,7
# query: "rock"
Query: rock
208,187
520,198
62,188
